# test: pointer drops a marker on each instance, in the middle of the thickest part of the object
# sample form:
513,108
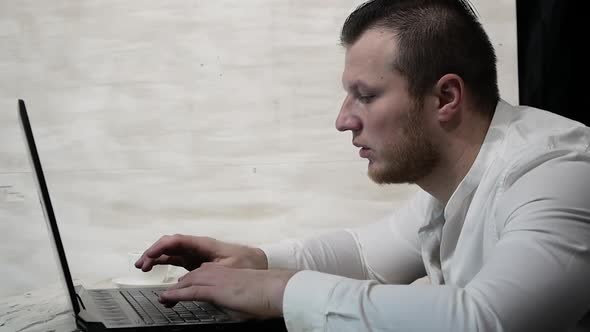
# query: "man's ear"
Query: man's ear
449,91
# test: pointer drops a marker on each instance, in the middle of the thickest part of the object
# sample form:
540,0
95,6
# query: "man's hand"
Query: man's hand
192,251
253,292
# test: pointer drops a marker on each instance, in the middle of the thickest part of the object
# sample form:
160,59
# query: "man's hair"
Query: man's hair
435,37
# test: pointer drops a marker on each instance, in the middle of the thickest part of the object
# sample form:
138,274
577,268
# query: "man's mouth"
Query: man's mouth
364,152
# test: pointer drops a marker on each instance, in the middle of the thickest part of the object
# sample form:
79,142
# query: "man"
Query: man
501,226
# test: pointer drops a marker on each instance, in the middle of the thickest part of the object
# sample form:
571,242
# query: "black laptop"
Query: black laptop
135,309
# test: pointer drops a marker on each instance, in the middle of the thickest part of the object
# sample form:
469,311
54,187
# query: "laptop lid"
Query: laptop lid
46,204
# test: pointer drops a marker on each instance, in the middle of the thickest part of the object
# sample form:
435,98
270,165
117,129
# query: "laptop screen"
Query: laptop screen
46,204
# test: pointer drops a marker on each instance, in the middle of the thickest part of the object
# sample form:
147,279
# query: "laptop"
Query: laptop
134,309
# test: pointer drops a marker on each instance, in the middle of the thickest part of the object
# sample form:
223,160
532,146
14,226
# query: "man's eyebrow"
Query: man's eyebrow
357,84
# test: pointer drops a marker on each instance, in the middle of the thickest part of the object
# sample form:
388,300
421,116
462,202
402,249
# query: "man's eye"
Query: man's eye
366,99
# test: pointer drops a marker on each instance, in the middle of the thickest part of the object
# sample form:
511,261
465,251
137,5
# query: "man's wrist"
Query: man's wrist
277,292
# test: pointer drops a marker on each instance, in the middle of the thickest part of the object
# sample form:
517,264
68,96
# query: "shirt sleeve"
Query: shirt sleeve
535,279
335,253
387,251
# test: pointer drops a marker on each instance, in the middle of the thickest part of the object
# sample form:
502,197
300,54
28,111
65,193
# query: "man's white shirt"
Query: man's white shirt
510,251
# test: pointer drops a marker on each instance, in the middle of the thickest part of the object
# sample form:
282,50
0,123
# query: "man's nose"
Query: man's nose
346,119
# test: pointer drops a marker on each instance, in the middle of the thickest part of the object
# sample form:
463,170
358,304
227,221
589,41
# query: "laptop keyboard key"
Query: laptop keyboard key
151,311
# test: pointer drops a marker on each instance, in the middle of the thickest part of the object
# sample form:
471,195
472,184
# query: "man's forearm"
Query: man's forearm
335,253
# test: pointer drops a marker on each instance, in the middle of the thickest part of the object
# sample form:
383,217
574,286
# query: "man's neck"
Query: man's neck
458,152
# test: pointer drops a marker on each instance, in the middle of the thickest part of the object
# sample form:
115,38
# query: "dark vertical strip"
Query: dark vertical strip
553,56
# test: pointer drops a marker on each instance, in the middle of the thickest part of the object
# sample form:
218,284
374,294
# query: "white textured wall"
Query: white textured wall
202,117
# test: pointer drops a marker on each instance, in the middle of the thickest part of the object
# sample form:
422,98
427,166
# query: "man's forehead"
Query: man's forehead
373,44
372,53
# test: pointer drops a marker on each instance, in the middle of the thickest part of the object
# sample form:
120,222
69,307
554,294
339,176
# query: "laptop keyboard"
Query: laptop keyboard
145,303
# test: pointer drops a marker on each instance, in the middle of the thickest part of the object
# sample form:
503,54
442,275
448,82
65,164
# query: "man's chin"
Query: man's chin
382,176
376,174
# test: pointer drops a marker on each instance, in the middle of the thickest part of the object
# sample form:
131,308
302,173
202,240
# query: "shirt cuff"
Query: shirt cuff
306,298
280,255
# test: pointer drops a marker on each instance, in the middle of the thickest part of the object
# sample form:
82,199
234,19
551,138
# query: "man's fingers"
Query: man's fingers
146,263
206,275
192,293
149,263
169,260
168,245
179,245
146,260
180,250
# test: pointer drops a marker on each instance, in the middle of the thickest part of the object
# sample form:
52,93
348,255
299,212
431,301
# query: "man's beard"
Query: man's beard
411,158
